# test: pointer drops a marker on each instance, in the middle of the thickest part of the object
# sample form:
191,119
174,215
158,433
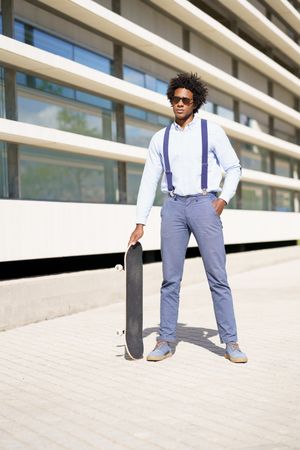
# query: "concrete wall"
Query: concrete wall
214,55
37,229
147,17
30,300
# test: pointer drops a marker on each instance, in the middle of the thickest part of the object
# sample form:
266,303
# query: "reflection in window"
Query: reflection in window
92,59
255,197
52,44
134,76
61,176
140,125
145,80
67,116
282,167
49,42
283,200
255,158
225,112
134,174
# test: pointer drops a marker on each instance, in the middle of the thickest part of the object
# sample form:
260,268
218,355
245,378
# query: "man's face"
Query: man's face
183,107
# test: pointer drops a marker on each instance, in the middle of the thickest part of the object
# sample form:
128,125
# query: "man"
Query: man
191,153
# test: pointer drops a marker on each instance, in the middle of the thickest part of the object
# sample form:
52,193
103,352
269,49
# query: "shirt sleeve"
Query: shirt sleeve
151,175
228,161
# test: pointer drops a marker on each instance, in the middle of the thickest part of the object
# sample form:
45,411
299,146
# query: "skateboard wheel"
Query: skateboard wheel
119,267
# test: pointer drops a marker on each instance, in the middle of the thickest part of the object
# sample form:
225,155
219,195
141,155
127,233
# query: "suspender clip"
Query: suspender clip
204,191
172,194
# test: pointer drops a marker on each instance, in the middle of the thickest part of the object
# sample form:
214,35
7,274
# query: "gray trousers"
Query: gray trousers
181,216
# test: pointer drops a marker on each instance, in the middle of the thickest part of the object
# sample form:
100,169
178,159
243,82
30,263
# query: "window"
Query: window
255,158
3,171
255,197
282,166
145,80
92,59
140,125
134,174
284,200
134,76
66,109
62,176
2,102
50,43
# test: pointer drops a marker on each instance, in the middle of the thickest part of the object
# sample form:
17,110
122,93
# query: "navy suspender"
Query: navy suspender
204,158
204,155
166,159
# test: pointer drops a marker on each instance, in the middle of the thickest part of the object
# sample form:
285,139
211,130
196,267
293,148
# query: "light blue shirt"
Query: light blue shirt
185,155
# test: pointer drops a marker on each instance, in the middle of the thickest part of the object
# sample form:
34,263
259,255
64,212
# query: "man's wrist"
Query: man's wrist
224,201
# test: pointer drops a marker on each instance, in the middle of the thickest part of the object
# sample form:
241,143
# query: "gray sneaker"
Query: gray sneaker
161,351
234,353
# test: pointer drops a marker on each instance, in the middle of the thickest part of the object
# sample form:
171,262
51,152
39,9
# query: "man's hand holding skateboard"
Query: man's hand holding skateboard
136,234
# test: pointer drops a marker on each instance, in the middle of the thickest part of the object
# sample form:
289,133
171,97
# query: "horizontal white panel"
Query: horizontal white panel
24,133
38,136
150,44
213,30
36,229
287,12
261,25
254,176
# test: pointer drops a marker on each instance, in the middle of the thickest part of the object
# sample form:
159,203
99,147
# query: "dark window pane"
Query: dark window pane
161,87
53,88
135,112
2,103
134,76
92,60
61,176
94,100
3,171
52,44
19,31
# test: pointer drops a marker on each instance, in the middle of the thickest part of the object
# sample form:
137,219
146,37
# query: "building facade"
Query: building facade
82,90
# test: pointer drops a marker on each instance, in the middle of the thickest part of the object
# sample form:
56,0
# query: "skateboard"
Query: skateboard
133,267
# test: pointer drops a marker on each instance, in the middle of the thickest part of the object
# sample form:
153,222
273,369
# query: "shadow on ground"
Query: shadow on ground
192,335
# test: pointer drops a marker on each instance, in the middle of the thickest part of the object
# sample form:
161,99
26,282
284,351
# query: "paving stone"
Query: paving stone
65,385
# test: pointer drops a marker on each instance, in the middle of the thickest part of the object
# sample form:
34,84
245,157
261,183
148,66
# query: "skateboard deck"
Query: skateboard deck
133,266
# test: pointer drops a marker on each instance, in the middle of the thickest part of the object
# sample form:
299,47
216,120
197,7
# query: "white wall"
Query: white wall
150,19
252,77
34,229
209,52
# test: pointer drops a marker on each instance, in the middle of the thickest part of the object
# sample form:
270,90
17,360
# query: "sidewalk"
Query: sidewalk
65,385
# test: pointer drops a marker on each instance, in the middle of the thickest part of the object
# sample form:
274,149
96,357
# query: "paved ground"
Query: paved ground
64,383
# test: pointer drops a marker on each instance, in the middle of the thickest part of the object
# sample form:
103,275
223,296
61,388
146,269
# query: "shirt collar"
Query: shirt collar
189,125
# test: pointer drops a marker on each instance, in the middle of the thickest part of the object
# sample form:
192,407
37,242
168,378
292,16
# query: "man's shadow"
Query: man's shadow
192,335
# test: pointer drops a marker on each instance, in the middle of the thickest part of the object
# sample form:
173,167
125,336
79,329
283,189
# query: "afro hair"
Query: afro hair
193,83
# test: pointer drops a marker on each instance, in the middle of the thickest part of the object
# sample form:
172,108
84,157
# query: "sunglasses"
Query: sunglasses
185,100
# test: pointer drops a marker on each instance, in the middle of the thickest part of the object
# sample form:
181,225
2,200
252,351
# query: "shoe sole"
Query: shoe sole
159,358
235,360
